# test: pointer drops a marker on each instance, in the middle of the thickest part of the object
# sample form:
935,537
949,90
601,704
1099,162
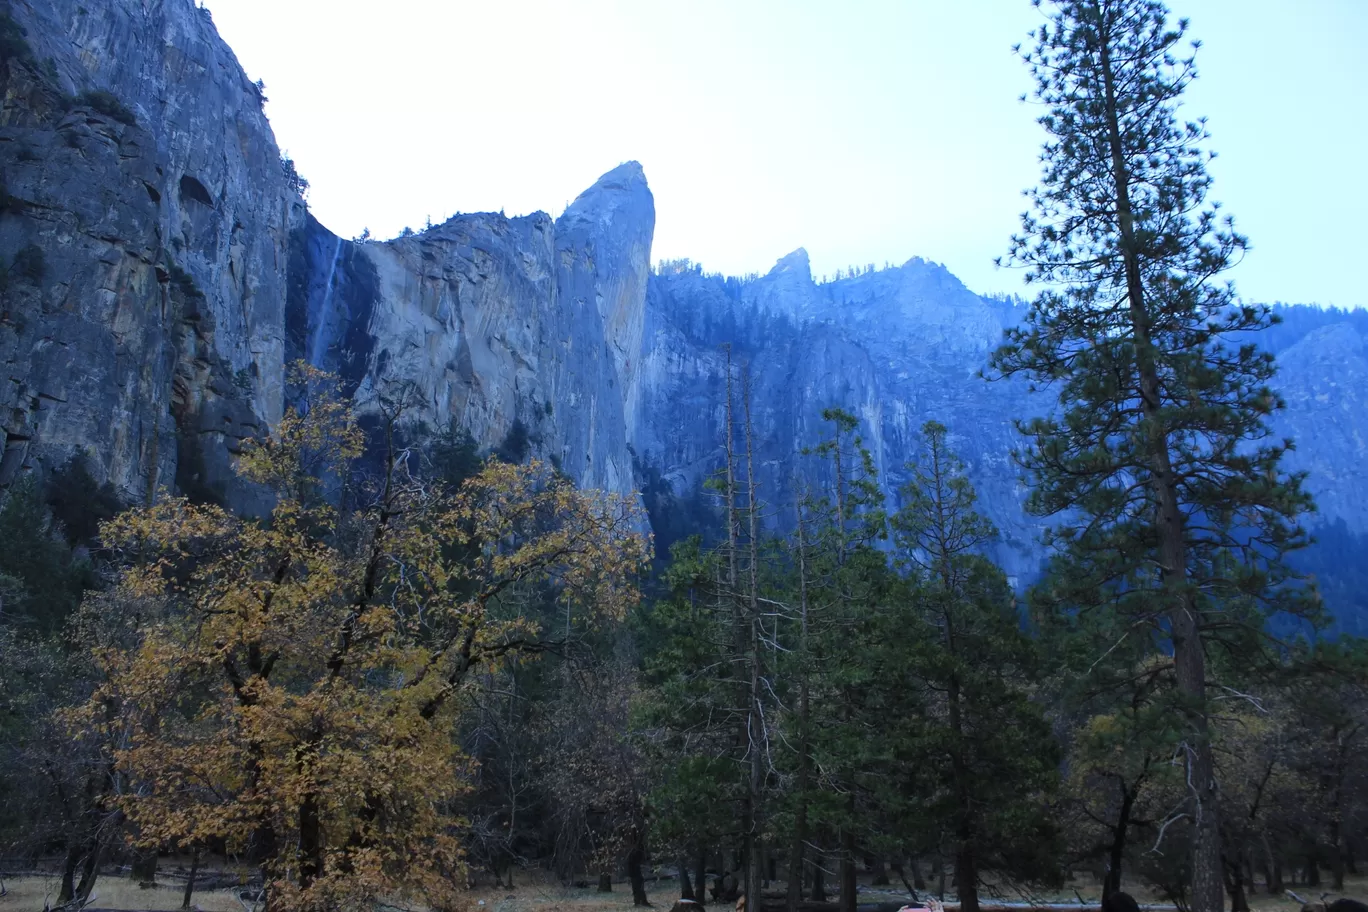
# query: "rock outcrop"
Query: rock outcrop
142,179
895,348
900,346
160,271
501,326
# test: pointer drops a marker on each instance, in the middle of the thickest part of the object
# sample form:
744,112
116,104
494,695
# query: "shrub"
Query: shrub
184,282
517,444
293,179
13,45
79,502
107,104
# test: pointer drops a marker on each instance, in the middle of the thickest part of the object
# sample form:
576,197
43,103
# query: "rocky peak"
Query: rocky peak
788,289
796,263
603,255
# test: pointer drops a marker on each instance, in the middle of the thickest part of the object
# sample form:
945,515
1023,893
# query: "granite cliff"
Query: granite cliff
145,199
902,345
492,323
160,270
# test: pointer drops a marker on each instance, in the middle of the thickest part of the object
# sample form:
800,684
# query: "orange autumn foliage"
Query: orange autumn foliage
296,691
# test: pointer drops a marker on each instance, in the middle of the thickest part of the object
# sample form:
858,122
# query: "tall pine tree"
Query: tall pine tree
979,758
1169,492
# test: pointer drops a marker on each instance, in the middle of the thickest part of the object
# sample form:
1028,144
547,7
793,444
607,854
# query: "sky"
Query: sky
866,131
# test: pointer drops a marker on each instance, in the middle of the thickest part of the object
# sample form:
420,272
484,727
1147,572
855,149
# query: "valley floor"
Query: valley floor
537,891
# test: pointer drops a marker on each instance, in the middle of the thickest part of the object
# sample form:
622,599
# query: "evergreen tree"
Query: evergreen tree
840,591
40,581
711,687
981,758
1171,499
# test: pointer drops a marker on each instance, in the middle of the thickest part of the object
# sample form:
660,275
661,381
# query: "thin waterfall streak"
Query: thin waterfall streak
318,345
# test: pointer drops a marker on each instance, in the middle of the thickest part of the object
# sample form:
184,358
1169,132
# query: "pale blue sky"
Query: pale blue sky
864,130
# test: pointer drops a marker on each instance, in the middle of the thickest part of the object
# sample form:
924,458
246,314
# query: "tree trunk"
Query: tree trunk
1275,876
917,880
686,890
190,881
939,872
1337,856
966,875
966,871
818,878
848,884
800,814
605,884
1208,894
144,867
879,873
90,871
902,875
1117,851
634,859
756,734
73,860
701,877
1239,902
1312,872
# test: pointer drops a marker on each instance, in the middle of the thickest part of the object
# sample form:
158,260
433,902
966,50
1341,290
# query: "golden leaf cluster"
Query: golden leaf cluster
294,691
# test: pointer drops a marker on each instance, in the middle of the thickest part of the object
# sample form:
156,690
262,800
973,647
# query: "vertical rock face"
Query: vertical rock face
165,272
895,348
159,271
1324,380
901,346
506,327
137,161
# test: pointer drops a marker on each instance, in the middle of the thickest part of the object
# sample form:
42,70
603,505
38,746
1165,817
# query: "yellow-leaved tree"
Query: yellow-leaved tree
295,692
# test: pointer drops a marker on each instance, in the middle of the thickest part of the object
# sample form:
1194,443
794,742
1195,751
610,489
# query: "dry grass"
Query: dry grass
537,891
26,894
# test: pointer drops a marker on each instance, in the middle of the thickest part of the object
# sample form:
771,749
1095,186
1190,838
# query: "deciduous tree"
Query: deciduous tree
296,693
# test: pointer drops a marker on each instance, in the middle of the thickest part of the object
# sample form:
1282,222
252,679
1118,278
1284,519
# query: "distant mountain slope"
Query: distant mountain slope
162,271
899,346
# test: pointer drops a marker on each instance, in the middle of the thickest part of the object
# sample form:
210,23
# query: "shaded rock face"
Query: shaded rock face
137,160
894,348
1323,378
166,272
901,346
492,324
160,271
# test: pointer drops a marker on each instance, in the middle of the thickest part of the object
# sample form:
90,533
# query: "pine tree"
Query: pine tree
841,586
981,757
710,683
1169,491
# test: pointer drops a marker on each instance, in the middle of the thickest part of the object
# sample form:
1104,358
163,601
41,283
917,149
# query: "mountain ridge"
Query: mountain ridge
182,272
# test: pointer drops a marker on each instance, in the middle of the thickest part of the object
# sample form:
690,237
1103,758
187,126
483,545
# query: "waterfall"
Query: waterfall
318,346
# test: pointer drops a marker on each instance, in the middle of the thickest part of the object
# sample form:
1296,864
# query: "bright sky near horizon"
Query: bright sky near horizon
867,131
